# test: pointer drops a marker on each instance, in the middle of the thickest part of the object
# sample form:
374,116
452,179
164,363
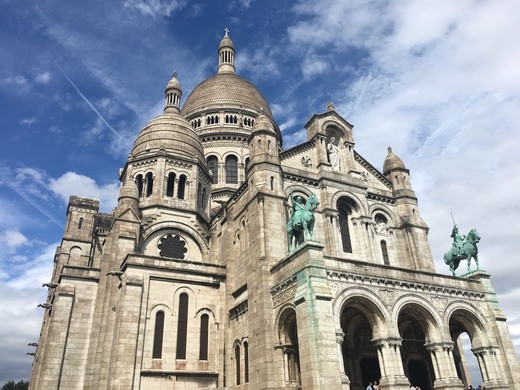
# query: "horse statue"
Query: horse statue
463,248
302,220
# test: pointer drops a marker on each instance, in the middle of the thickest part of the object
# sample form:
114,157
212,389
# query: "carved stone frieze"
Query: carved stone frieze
439,303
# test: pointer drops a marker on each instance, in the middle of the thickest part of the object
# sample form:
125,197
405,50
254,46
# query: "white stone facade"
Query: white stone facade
188,282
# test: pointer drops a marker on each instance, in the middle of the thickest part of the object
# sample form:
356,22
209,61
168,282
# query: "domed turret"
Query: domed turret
169,133
395,171
173,96
392,162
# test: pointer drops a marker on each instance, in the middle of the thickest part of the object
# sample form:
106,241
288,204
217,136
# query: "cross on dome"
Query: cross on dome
226,30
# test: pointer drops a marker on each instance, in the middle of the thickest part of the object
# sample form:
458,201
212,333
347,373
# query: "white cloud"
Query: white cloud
43,78
313,65
12,239
84,186
28,121
19,81
156,8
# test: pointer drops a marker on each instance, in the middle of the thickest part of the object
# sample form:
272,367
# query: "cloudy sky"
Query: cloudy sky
437,80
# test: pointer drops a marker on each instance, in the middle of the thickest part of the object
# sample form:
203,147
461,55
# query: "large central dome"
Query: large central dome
225,90
226,103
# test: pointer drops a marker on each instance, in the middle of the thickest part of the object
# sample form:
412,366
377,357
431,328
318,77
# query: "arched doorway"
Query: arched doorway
360,358
417,361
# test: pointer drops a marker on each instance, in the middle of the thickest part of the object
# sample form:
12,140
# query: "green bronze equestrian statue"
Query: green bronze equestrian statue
302,220
463,248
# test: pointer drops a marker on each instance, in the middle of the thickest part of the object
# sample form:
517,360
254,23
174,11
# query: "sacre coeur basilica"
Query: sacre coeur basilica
230,262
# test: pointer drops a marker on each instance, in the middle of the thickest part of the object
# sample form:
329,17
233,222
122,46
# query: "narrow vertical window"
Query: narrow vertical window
231,170
204,198
204,337
237,362
384,251
149,184
170,185
158,335
199,195
344,216
246,362
182,326
212,163
80,223
182,187
139,182
245,168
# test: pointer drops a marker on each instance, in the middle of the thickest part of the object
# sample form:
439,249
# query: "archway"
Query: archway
464,331
360,358
288,333
417,362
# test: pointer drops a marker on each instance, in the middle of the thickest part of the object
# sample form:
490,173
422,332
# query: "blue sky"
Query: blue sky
438,81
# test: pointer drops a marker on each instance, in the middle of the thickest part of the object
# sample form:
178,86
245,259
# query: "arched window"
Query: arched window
182,187
231,170
158,335
170,185
182,326
204,337
384,251
149,184
246,362
237,362
344,216
212,163
139,183
80,223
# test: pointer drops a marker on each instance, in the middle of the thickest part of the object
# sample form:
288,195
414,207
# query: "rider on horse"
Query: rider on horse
458,241
297,206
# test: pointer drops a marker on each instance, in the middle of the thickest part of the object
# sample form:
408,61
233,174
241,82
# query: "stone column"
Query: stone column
444,365
487,360
390,363
345,381
332,231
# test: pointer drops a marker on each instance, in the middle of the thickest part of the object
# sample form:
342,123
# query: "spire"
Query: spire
173,95
226,54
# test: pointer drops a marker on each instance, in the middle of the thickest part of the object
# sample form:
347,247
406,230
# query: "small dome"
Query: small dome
226,42
173,83
263,123
170,133
129,190
392,161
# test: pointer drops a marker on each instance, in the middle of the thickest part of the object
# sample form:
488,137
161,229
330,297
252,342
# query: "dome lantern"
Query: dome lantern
173,94
226,55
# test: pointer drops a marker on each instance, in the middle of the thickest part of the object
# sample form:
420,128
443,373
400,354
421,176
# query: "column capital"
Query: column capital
388,342
440,346
485,350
